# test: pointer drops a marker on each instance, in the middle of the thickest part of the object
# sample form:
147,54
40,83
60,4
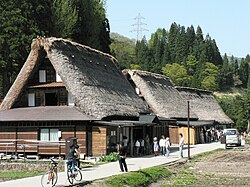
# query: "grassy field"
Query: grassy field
214,168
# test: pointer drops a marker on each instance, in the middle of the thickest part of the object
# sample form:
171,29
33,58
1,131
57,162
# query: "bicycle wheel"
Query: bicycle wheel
55,178
70,176
49,179
78,175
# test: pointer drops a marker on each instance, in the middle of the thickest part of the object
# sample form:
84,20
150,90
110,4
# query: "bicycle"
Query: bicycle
50,177
73,174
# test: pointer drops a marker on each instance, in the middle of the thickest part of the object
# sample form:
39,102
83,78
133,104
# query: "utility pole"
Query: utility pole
139,29
188,129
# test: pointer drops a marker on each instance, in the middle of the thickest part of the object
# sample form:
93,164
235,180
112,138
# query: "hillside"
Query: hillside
234,104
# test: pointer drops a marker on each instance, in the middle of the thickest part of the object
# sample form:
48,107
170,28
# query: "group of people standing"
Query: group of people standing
163,146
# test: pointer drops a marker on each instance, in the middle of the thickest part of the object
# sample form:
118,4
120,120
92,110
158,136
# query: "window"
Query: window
42,75
70,100
31,99
49,134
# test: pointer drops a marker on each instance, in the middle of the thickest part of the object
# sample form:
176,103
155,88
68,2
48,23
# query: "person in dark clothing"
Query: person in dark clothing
71,156
77,152
122,151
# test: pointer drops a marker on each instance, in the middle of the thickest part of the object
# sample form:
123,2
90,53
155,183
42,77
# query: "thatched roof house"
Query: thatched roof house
204,104
97,86
160,94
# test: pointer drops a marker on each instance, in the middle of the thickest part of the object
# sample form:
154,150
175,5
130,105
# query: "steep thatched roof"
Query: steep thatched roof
204,104
160,94
97,86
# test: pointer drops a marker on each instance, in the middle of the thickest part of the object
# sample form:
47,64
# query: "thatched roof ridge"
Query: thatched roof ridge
97,85
204,104
160,94
193,89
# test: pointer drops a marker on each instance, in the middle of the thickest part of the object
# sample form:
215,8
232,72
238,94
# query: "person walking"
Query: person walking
181,144
137,147
167,147
122,151
162,144
156,146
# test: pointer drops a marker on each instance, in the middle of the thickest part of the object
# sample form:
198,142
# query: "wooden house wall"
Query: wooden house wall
6,134
174,135
99,141
11,134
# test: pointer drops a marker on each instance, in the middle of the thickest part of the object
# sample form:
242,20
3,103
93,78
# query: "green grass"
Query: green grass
139,178
5,175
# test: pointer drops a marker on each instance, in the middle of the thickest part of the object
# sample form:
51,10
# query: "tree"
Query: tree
20,22
210,77
64,16
226,74
247,104
244,72
177,73
123,49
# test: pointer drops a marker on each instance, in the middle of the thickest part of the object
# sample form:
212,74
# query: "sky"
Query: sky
226,21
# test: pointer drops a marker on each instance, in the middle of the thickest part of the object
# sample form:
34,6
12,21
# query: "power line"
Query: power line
139,29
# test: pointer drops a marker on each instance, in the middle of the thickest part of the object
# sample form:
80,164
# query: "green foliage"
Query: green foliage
236,108
177,73
112,157
139,178
185,47
64,18
123,49
19,174
135,66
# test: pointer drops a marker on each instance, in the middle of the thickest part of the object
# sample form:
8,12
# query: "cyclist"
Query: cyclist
72,157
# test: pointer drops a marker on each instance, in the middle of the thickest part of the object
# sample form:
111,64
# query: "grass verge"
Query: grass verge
5,175
140,178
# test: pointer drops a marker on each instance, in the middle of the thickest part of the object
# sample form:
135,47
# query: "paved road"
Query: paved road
110,169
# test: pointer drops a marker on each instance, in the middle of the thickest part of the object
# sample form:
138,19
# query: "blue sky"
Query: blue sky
227,21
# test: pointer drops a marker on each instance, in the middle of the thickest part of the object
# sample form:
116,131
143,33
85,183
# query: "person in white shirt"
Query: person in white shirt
167,146
137,147
156,146
181,144
162,144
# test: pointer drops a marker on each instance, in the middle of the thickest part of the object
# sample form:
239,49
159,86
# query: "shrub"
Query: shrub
112,157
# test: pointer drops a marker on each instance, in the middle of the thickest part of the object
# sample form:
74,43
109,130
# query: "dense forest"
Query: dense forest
83,21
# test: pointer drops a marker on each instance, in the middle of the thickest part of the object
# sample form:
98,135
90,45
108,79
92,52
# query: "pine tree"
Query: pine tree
244,72
226,74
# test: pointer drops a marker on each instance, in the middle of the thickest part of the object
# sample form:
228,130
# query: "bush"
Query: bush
112,157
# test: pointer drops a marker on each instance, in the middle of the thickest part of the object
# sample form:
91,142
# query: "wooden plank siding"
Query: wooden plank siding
18,134
99,139
174,135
